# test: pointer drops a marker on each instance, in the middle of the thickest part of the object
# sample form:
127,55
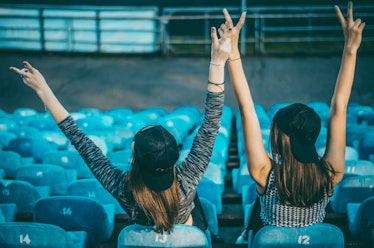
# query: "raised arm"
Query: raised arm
258,161
102,168
336,136
196,162
35,80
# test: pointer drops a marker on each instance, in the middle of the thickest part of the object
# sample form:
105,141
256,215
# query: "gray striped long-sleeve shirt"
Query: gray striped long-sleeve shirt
189,172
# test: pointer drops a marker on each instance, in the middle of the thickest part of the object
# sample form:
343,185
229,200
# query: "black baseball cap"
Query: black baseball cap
156,151
302,125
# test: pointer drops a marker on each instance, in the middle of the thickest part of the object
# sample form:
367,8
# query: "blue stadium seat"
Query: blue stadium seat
359,167
240,178
56,137
210,213
22,193
43,122
354,189
249,194
317,235
95,122
5,138
143,236
37,235
9,211
10,161
92,188
221,145
355,132
24,115
7,124
70,160
90,111
25,131
120,156
2,173
190,113
366,146
214,173
76,213
210,191
151,115
54,176
32,147
361,219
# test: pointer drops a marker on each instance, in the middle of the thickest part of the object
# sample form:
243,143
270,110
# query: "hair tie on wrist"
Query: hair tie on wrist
234,59
217,84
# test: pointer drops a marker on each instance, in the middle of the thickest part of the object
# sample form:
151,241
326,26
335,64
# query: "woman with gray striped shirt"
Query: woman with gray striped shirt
155,191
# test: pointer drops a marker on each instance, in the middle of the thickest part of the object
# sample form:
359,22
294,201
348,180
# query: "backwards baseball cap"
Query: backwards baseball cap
156,151
302,125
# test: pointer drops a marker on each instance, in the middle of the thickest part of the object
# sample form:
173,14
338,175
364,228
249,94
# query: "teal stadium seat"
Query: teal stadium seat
354,189
5,138
70,160
10,161
366,146
21,193
318,235
210,214
144,236
54,176
38,235
210,191
77,213
359,167
32,147
9,211
92,188
120,156
361,220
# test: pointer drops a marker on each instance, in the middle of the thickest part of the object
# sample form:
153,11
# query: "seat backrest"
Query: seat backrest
317,235
22,193
359,167
144,236
34,147
210,191
210,214
75,213
92,188
54,176
366,214
33,235
9,211
352,189
10,161
69,159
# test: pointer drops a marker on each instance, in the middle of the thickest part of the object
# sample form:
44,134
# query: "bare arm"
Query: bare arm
35,80
336,136
258,161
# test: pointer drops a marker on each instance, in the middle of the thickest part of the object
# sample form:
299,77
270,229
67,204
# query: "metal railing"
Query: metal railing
175,31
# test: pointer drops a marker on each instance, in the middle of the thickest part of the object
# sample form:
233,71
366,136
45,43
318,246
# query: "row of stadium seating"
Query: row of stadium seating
113,132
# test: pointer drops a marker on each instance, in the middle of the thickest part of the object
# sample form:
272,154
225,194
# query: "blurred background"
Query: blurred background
106,54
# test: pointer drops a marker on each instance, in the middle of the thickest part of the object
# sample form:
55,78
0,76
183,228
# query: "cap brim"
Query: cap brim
158,181
304,153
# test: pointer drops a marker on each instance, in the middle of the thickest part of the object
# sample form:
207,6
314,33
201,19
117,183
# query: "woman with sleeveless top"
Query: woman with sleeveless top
294,183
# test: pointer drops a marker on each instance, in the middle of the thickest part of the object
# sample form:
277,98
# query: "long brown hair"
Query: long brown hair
161,207
299,184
